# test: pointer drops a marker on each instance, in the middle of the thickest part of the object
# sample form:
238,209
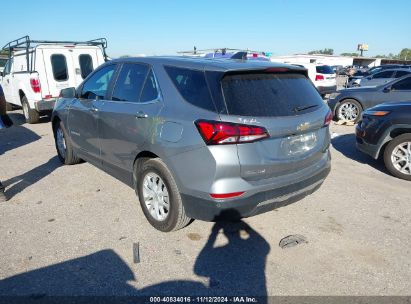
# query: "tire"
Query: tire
391,155
155,172
349,110
65,153
32,116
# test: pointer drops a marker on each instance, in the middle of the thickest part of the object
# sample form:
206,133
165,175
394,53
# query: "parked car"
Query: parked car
355,79
385,130
383,77
348,104
193,138
37,71
322,76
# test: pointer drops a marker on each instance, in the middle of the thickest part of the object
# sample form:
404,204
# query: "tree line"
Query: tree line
405,54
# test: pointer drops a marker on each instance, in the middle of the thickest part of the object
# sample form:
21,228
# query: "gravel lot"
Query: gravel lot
70,230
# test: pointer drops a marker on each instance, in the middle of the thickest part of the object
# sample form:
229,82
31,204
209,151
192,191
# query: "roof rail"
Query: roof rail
196,52
26,43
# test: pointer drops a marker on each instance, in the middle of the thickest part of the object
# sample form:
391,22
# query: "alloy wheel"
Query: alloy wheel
401,158
61,142
348,111
155,196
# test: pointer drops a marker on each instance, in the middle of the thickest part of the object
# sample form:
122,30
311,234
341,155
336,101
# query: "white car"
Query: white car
323,77
37,71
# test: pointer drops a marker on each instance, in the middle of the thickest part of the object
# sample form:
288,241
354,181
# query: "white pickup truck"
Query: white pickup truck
37,71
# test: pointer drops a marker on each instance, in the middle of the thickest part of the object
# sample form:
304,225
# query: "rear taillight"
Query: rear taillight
328,118
35,85
319,77
220,133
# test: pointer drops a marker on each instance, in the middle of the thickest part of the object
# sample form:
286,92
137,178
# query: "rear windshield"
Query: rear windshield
269,95
324,69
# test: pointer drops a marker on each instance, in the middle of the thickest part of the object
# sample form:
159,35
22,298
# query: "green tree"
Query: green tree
405,54
324,51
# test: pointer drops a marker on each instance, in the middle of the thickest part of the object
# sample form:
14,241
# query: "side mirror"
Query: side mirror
68,93
1,74
387,89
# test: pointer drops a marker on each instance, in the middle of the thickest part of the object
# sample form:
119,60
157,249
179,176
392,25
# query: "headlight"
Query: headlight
334,95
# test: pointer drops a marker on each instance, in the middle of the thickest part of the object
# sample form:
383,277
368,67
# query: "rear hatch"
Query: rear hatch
289,107
325,76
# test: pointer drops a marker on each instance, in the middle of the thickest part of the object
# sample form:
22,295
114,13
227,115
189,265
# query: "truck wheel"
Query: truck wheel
32,116
159,196
63,145
397,156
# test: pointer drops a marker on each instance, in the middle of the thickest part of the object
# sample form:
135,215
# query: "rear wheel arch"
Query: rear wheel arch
139,160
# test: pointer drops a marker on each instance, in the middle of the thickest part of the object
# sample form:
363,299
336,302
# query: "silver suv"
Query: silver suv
199,138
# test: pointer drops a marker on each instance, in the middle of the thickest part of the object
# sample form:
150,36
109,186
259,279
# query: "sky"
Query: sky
158,27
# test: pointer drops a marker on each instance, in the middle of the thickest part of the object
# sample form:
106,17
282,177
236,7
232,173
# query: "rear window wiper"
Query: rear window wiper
302,108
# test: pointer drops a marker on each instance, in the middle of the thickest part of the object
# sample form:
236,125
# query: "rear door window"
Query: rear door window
130,82
402,85
150,91
192,86
59,67
324,69
269,95
86,65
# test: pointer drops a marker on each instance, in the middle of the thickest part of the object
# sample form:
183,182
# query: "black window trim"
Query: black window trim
65,61
150,67
92,65
110,85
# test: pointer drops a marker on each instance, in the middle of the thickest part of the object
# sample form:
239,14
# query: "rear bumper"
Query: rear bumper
327,89
210,210
44,105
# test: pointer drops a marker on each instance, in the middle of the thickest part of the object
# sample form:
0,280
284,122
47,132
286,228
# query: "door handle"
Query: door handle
141,115
93,109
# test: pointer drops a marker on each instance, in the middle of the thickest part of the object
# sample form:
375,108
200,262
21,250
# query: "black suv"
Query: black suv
386,130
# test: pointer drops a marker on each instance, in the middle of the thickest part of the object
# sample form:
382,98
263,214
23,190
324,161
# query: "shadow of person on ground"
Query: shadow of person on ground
16,136
346,144
236,268
100,273
20,183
